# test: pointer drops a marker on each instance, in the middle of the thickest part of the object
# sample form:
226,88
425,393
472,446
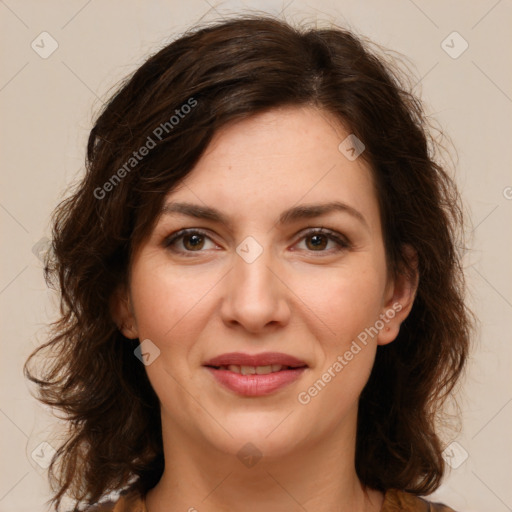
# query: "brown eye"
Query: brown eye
318,239
192,240
189,241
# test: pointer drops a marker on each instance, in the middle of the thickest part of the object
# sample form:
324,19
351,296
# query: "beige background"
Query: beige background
47,108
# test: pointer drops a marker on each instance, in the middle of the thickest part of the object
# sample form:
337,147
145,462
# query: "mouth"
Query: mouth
255,370
255,381
265,362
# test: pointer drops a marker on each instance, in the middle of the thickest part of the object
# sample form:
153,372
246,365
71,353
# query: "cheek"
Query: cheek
349,305
167,301
346,299
170,311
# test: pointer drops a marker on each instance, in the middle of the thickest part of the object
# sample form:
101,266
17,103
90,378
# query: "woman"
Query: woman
262,298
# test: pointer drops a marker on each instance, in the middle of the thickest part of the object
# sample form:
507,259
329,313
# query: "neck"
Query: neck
319,476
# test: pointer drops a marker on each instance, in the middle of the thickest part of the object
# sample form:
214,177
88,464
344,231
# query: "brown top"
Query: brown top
394,501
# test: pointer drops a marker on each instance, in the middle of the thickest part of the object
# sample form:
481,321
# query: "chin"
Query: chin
259,435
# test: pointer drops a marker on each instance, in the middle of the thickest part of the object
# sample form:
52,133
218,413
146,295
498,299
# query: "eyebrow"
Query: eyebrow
294,214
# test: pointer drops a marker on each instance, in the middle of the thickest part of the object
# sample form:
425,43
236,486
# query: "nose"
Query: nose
255,294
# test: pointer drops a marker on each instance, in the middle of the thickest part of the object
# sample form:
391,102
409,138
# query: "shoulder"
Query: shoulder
129,500
401,501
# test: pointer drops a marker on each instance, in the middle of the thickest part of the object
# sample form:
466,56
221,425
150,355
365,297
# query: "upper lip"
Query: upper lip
263,359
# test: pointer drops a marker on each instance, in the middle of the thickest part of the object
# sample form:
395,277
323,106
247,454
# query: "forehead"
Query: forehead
269,162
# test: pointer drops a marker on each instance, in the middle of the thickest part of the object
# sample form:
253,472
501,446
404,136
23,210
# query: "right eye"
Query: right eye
192,240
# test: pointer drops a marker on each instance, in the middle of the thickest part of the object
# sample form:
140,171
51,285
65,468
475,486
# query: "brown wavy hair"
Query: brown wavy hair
228,71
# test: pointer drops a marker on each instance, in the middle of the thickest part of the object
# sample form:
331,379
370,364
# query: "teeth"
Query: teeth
252,370
247,370
262,370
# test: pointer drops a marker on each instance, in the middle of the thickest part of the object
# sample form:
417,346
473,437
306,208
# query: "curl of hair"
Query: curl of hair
233,70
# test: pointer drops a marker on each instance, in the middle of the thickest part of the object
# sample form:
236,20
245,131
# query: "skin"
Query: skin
294,298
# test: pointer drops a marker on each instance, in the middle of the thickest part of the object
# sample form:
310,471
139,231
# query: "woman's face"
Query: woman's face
266,281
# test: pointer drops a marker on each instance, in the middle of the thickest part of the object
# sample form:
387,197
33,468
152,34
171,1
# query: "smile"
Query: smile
252,370
255,380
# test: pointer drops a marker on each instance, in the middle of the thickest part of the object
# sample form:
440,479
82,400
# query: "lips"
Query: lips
264,359
255,375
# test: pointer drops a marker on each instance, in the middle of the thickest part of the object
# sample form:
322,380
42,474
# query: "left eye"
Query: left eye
320,237
193,240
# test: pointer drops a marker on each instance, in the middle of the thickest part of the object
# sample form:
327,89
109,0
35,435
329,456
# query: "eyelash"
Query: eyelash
341,241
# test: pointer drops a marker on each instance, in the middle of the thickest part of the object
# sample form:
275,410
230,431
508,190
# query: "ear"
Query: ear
122,312
399,298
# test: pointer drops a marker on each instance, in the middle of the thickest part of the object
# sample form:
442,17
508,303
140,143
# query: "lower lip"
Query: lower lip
255,385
